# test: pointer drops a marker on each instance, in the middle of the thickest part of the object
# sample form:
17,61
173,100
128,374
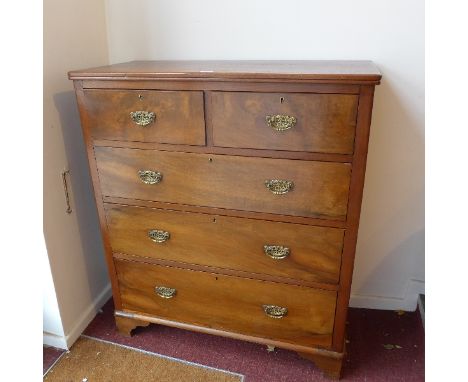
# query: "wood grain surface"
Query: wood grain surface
228,242
354,211
320,188
97,193
326,70
231,84
325,122
179,115
209,149
229,303
226,212
331,366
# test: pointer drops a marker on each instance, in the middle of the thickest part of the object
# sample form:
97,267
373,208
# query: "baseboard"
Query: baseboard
407,303
54,340
81,323
87,316
422,308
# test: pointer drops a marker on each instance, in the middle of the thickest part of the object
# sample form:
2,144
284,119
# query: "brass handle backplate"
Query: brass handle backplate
280,122
150,177
165,292
159,236
278,186
143,118
276,251
275,311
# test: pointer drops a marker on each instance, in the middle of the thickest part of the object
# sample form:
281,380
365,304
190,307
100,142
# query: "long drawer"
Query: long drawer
279,186
285,121
146,116
276,311
295,251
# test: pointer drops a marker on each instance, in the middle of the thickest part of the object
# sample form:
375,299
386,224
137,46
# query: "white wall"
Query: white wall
51,320
389,269
76,284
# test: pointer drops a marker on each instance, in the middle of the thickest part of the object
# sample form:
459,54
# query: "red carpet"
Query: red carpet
368,359
49,356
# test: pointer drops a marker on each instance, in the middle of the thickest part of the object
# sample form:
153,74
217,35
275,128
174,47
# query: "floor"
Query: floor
49,356
383,346
93,360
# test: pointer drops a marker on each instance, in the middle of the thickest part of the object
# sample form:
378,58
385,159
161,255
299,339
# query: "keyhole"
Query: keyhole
281,99
211,159
140,96
214,220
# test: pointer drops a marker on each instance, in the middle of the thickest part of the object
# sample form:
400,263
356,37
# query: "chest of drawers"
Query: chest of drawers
229,194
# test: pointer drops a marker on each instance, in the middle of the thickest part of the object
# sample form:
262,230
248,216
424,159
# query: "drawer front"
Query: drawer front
318,189
323,122
228,303
177,118
295,251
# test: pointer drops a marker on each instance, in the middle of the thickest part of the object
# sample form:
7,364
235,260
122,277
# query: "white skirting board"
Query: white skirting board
408,302
422,309
65,342
54,340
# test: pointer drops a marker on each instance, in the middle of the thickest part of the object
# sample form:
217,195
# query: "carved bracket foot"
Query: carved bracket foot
125,323
329,365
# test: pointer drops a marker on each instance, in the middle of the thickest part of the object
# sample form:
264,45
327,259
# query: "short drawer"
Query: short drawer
279,186
229,303
323,123
295,251
175,117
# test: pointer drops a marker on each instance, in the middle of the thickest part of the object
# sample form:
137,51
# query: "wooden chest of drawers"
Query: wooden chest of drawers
229,194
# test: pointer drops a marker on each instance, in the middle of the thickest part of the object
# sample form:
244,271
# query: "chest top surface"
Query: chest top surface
349,71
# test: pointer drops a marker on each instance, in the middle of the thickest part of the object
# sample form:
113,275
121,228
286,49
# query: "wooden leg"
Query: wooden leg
125,325
330,366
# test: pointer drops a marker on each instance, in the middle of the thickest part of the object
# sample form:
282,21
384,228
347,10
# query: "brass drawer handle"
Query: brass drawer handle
276,251
275,311
150,177
280,122
165,292
143,118
65,190
159,236
278,186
